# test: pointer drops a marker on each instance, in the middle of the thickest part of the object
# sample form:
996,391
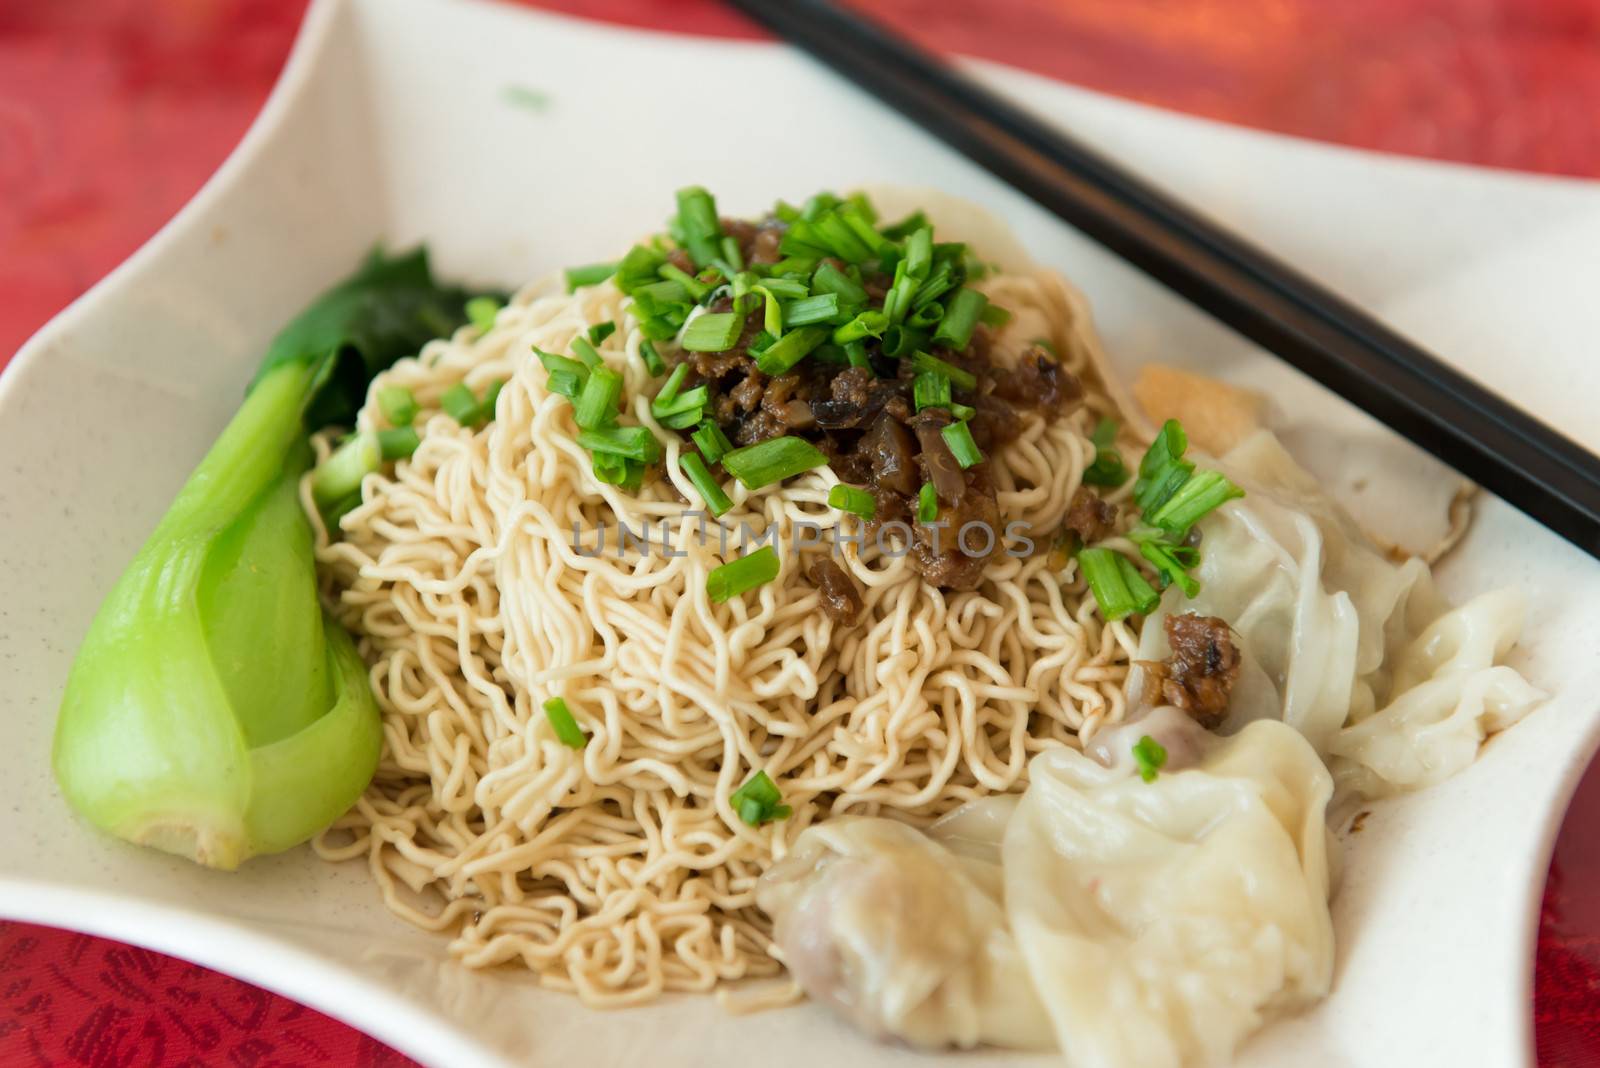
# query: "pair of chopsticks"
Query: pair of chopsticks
1496,444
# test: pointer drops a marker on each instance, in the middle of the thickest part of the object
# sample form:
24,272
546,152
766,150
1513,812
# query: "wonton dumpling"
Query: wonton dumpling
1332,633
902,936
1163,922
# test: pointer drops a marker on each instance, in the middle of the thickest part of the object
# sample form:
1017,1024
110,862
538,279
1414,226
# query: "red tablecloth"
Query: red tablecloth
112,113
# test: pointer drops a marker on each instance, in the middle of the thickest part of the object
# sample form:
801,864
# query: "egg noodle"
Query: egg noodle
473,583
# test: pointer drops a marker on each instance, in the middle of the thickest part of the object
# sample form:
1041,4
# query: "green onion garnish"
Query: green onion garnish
773,460
927,503
711,441
855,354
1150,756
855,501
926,316
632,442
638,268
1171,560
399,443
1203,491
567,730
746,573
597,404
1107,468
669,388
600,331
786,288
565,383
905,227
712,332
481,311
695,470
652,359
790,349
691,285
1117,585
932,364
822,308
829,279
591,275
398,405
1163,469
866,324
919,253
341,473
959,437
931,390
961,318
460,404
995,316
697,225
901,340
938,284
758,801
692,400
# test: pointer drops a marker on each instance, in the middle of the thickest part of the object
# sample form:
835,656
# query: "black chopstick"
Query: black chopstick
1499,446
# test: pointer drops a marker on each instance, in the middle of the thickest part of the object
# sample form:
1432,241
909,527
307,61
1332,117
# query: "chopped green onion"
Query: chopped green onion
860,225
1203,492
633,442
772,312
758,801
901,340
959,437
652,359
897,303
831,354
931,391
995,316
837,235
712,332
591,275
398,405
341,473
1163,470
565,383
661,298
927,503
730,255
638,268
711,441
773,460
822,308
567,730
962,412
792,265
1107,468
786,288
597,404
460,404
691,285
933,365
746,573
1171,561
905,227
938,284
600,331
481,312
927,315
855,354
698,226
692,400
490,396
554,362
669,388
399,443
829,279
610,468
790,349
855,501
919,253
865,325
1150,756
961,318
1117,586
695,470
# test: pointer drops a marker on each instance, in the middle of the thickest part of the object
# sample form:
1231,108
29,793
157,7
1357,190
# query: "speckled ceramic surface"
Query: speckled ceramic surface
393,121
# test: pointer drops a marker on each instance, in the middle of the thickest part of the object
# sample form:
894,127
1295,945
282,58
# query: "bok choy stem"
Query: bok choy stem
213,710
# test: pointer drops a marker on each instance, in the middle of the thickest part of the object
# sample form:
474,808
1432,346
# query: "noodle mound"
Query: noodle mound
621,870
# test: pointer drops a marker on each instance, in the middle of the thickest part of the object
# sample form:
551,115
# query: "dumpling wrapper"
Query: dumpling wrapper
1357,652
1153,924
1164,922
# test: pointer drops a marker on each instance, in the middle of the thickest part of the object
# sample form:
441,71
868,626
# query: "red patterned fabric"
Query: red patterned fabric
113,112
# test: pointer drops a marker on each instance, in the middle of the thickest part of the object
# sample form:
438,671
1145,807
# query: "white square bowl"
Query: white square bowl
392,121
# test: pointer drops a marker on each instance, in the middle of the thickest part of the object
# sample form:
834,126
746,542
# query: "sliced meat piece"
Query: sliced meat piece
938,462
941,555
1091,518
840,600
1199,675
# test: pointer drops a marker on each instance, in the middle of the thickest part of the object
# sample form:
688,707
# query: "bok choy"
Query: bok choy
214,711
